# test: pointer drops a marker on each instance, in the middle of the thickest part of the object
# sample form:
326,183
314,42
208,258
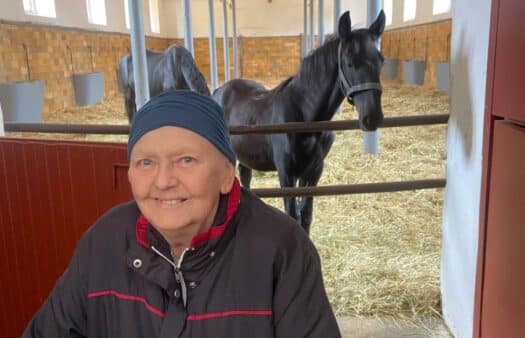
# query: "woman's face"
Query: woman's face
177,177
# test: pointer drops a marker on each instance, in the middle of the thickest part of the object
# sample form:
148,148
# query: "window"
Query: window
96,10
441,6
409,12
40,8
126,12
154,15
387,7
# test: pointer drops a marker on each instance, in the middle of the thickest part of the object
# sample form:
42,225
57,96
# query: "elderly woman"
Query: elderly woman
193,255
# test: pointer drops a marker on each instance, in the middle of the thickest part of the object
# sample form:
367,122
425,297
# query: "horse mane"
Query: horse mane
281,85
316,61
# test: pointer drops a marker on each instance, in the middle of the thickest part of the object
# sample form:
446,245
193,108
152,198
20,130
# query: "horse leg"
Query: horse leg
306,204
246,175
311,179
290,203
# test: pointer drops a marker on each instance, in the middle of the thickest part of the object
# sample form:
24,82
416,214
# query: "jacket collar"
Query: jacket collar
204,249
146,234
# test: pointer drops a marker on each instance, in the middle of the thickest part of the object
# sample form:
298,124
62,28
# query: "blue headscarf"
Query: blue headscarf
185,109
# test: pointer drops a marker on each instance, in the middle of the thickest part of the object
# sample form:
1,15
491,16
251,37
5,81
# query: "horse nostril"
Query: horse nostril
367,121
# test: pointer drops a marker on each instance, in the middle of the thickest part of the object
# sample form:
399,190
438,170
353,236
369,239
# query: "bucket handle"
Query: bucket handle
72,67
28,65
447,44
414,47
92,58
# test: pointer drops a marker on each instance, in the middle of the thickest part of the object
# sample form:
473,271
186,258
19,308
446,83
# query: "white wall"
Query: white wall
73,13
423,14
254,17
469,50
259,17
283,17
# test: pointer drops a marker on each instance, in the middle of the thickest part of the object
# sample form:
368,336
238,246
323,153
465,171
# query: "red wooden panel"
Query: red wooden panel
509,76
53,191
19,251
503,311
8,281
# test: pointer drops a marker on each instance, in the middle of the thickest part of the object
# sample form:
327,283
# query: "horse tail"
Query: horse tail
122,73
192,75
125,81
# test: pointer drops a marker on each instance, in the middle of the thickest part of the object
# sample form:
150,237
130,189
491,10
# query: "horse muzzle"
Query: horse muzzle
371,122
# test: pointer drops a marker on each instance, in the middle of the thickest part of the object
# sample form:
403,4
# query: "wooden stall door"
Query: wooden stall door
500,282
503,312
50,193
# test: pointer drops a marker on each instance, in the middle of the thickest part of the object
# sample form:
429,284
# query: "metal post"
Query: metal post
371,138
312,36
225,42
138,53
337,14
234,36
372,11
304,45
321,22
188,33
213,49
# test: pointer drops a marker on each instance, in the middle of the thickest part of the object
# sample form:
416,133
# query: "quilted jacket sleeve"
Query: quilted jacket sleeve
63,314
301,307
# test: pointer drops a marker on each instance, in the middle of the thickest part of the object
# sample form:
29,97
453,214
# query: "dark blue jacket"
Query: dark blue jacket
255,274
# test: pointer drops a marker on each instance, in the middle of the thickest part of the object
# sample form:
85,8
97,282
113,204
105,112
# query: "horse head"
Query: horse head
360,62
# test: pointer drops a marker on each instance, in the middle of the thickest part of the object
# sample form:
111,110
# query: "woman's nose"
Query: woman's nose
165,177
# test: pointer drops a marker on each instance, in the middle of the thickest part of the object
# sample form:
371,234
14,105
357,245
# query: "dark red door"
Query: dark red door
503,312
50,193
500,280
509,65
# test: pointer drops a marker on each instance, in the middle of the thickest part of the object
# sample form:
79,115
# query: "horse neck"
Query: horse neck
318,83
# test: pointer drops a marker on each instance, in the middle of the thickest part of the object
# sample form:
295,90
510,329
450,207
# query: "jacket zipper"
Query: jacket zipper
178,272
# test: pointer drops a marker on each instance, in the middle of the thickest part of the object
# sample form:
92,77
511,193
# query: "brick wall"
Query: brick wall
54,54
429,42
259,57
33,52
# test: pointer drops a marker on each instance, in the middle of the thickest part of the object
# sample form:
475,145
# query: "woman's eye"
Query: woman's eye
144,162
187,160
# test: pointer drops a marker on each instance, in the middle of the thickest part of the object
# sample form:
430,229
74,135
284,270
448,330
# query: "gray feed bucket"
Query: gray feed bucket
22,101
443,76
89,88
390,69
414,72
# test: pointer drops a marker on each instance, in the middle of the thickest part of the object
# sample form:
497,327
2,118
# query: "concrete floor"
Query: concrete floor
382,328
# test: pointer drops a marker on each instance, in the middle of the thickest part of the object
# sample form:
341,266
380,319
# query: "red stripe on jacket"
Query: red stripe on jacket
230,313
127,297
161,314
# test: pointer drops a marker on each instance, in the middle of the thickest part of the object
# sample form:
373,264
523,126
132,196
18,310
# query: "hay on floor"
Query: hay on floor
380,252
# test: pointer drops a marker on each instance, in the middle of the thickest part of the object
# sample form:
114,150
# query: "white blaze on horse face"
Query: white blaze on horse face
177,177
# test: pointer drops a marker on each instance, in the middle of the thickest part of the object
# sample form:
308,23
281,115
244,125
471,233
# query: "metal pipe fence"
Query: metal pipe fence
290,127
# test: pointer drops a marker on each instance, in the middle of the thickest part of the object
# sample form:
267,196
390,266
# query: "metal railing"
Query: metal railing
290,127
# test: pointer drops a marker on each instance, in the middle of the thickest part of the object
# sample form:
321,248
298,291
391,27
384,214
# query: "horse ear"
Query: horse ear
377,28
345,26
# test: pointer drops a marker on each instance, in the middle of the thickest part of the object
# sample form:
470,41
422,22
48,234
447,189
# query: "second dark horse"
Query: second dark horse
172,69
348,65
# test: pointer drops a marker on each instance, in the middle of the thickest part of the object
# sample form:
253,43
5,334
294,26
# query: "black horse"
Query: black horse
348,65
172,69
